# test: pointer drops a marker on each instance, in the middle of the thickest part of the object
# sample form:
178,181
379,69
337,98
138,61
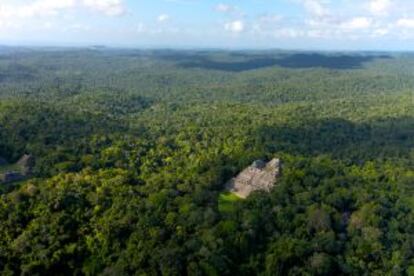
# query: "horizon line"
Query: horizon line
97,46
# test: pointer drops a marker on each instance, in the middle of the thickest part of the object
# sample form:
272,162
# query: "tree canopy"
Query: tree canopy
133,148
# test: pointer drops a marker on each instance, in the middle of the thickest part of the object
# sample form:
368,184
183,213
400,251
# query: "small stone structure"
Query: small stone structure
11,177
258,176
26,162
23,170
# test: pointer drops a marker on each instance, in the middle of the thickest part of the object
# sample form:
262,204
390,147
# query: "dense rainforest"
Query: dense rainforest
132,150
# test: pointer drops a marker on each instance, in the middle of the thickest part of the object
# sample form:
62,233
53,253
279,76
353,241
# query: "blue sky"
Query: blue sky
289,24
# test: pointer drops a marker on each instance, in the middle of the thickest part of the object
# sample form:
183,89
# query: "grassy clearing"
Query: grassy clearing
227,201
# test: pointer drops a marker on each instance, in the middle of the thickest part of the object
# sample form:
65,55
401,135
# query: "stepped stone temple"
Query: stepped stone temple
258,176
26,162
20,171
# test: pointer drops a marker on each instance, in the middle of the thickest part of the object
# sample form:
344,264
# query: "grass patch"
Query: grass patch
227,201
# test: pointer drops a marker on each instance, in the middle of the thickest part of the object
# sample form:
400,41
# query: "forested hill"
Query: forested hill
133,149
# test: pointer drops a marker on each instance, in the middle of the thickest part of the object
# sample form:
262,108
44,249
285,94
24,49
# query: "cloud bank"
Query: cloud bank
298,21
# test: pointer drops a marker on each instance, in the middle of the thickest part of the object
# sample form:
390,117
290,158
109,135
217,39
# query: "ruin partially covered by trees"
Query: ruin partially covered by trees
259,176
133,151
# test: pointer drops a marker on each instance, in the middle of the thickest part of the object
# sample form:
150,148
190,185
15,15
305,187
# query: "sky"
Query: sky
230,24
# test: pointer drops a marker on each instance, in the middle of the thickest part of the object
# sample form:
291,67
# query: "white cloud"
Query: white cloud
77,28
225,8
36,8
380,32
349,20
47,8
229,10
288,33
266,23
328,20
406,23
107,7
316,7
379,7
357,23
236,26
163,18
270,18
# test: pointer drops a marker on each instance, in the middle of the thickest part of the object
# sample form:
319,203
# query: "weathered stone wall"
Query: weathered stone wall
22,170
255,178
11,177
27,163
